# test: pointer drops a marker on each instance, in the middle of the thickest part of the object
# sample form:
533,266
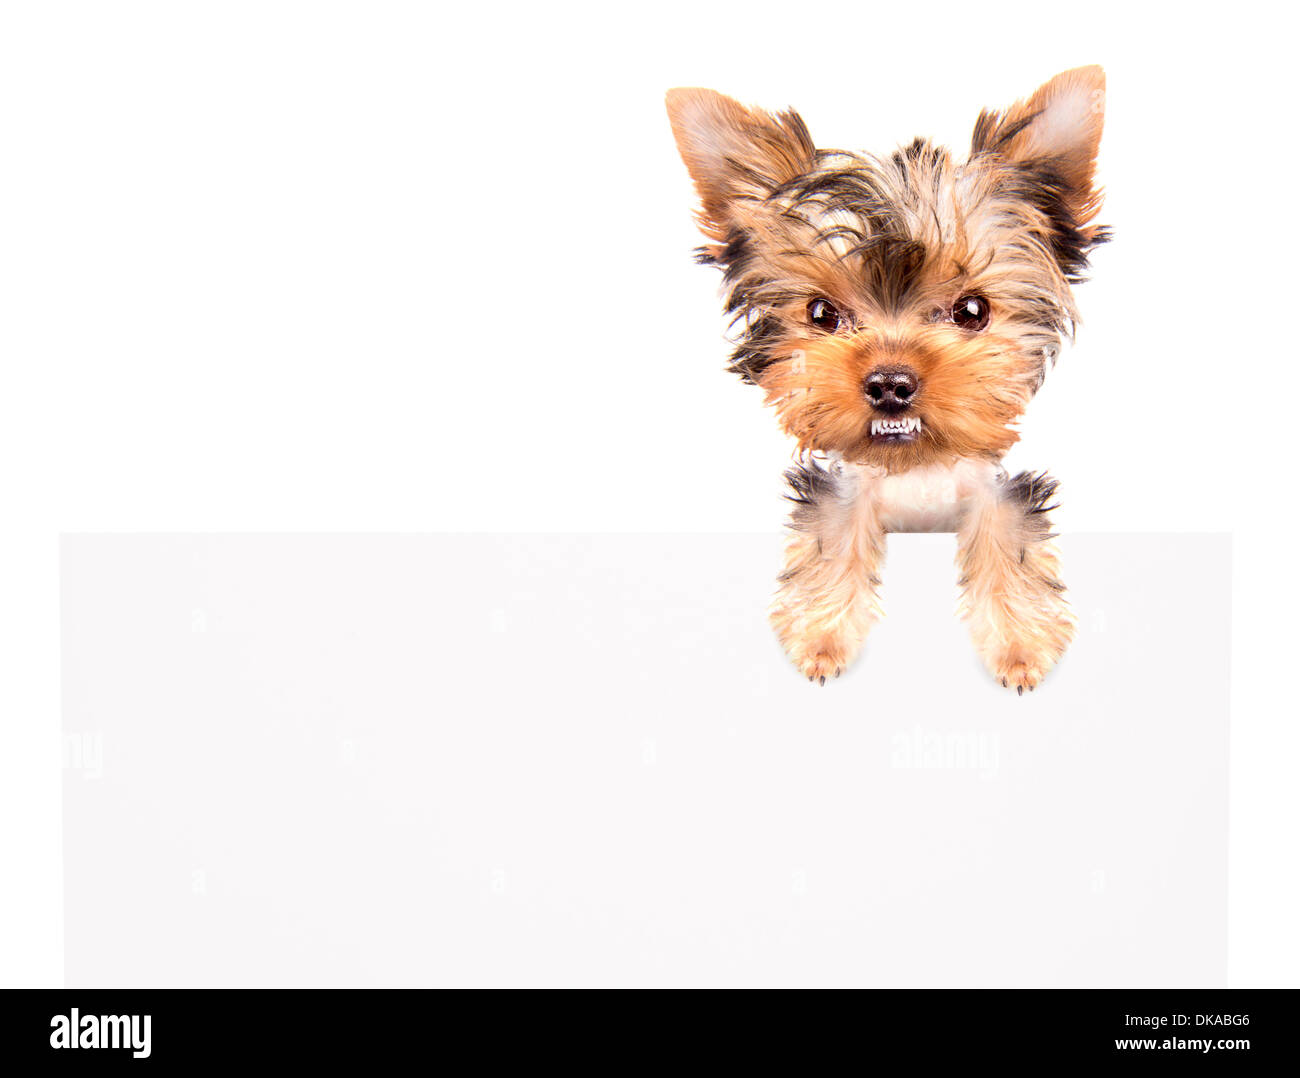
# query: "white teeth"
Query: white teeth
910,425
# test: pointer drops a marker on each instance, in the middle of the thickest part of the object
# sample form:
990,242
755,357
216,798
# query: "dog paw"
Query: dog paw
819,660
821,666
1018,672
820,648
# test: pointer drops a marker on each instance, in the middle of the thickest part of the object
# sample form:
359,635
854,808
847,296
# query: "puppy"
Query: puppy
898,313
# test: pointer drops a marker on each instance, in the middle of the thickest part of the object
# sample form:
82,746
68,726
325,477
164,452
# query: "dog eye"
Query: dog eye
971,312
823,315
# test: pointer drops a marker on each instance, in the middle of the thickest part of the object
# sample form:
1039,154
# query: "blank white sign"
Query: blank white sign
583,760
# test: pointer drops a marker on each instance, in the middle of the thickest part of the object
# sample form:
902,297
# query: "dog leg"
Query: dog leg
826,601
1012,597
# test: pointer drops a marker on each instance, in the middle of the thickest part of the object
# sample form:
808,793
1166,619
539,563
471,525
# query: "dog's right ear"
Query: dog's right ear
735,154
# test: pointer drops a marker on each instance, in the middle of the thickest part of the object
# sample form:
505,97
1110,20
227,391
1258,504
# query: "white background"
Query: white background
396,267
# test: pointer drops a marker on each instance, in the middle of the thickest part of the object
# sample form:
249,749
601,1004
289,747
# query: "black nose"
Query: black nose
891,389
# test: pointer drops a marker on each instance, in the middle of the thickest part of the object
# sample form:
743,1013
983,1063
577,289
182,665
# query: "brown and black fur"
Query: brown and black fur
952,280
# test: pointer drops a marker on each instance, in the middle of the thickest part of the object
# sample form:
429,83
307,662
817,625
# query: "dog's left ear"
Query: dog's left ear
1058,128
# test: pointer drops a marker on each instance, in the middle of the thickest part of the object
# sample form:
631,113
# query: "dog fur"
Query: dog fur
899,312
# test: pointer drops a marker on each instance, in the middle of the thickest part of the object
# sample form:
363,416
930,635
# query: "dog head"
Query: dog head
899,310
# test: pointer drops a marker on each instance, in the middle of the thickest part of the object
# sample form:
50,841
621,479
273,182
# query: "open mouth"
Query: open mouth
896,430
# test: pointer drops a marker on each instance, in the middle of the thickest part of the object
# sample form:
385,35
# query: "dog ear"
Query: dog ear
1058,128
734,153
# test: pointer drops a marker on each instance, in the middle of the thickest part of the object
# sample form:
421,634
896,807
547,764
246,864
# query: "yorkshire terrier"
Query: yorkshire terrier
899,312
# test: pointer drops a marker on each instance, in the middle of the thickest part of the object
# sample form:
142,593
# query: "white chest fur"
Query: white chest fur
930,499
